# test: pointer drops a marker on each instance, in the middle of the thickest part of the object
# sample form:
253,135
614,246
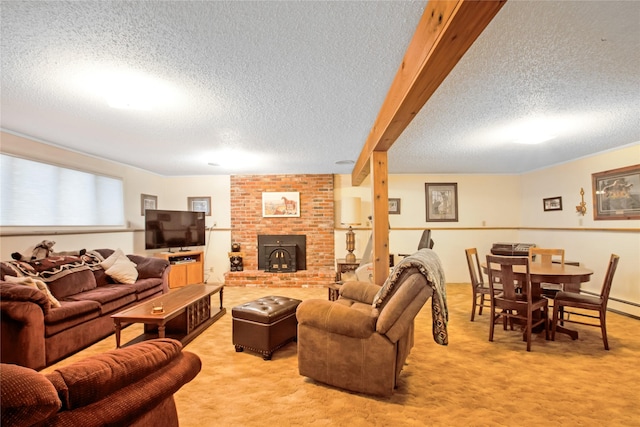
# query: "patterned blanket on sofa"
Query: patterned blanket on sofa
52,268
428,263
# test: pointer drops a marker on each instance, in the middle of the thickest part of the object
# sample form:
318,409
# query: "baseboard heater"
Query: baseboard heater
634,304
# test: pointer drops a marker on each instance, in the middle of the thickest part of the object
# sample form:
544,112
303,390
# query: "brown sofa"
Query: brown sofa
36,335
361,341
131,386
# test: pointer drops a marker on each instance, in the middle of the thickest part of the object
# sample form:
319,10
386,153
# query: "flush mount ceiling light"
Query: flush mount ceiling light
127,89
534,138
532,130
345,162
536,129
235,159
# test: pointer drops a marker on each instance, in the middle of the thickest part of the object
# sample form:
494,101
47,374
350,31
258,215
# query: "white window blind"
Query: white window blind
40,194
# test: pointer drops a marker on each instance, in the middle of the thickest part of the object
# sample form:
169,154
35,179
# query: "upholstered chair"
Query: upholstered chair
131,386
360,342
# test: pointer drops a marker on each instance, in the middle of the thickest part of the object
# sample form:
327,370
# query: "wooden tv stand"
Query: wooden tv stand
187,267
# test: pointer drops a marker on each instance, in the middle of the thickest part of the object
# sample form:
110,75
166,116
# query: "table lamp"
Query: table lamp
350,216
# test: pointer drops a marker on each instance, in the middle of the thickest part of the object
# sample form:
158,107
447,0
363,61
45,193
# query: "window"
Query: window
40,194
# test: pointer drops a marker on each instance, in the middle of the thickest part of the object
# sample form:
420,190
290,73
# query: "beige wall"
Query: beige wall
172,194
492,208
584,239
489,202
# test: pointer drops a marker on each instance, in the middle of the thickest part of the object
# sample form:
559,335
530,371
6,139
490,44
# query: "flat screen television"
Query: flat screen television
173,229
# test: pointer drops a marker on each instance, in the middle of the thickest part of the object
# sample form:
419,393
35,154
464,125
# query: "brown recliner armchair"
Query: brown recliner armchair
131,386
360,342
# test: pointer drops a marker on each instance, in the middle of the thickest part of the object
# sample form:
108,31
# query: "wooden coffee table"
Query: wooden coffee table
187,312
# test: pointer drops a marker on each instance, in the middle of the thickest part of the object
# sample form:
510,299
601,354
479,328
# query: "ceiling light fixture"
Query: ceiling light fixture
126,89
534,138
532,130
345,162
235,159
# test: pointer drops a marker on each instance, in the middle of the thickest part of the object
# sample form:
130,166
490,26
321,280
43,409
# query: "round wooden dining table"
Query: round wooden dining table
571,276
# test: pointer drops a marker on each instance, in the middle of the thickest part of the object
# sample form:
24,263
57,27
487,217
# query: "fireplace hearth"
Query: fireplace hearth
279,253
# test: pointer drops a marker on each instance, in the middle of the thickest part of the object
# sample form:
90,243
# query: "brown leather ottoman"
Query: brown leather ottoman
264,325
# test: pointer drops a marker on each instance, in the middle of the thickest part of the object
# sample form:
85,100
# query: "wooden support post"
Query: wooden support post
380,208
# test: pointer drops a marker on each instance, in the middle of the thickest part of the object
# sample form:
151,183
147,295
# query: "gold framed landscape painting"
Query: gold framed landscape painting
616,193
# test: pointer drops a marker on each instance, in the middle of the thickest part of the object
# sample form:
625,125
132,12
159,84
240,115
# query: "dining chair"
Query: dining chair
546,257
587,302
479,289
425,240
520,306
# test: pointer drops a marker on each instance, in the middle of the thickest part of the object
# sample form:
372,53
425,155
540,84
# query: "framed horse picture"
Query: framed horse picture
281,204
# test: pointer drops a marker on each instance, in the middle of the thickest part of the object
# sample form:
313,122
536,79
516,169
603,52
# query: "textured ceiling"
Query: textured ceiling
293,87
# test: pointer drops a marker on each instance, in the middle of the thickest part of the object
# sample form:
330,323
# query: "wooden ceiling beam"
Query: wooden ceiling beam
445,32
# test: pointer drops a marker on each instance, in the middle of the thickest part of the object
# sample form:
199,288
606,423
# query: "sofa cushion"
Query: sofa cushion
142,286
149,266
102,278
74,283
71,313
96,377
110,297
27,396
105,253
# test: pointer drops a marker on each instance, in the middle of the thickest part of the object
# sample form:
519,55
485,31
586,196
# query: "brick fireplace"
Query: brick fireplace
316,223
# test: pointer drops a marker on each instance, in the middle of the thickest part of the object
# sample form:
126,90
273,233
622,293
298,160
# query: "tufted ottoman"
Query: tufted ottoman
264,325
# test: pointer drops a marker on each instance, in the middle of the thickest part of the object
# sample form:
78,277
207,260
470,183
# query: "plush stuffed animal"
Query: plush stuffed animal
43,250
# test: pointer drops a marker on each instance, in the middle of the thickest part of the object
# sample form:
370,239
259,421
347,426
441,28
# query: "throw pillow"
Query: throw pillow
111,259
37,284
121,268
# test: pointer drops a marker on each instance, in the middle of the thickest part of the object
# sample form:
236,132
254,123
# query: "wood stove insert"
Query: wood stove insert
282,252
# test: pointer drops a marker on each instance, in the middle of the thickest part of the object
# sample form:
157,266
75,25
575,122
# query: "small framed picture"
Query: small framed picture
442,201
148,201
199,204
552,203
394,206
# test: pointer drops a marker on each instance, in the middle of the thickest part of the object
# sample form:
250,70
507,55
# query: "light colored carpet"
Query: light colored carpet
471,382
